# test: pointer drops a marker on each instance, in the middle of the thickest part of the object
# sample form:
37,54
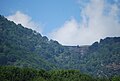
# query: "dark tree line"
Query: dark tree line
10,73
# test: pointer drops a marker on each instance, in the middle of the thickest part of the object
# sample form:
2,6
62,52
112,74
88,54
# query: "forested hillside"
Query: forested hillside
103,58
23,47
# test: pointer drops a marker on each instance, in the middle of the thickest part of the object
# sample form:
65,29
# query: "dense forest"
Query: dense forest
23,48
103,58
8,73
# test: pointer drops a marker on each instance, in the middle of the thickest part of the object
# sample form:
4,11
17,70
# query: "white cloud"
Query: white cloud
25,20
94,26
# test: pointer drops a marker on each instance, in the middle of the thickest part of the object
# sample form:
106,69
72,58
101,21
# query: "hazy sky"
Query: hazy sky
71,22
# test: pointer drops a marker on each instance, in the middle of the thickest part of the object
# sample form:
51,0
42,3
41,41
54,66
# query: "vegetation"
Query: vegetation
23,47
9,73
103,58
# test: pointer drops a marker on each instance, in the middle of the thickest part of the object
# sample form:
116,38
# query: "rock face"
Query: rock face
81,50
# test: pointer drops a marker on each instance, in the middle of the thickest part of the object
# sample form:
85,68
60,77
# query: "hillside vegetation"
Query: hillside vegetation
23,47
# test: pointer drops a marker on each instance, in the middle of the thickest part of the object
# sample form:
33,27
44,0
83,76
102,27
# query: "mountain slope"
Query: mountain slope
23,47
103,58
19,46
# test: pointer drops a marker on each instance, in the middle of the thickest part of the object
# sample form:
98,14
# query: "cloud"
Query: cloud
25,20
99,20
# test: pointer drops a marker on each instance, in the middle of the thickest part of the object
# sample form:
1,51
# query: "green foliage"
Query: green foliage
16,74
23,47
103,59
116,78
9,73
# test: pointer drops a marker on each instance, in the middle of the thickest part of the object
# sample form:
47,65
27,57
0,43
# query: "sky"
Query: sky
70,22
